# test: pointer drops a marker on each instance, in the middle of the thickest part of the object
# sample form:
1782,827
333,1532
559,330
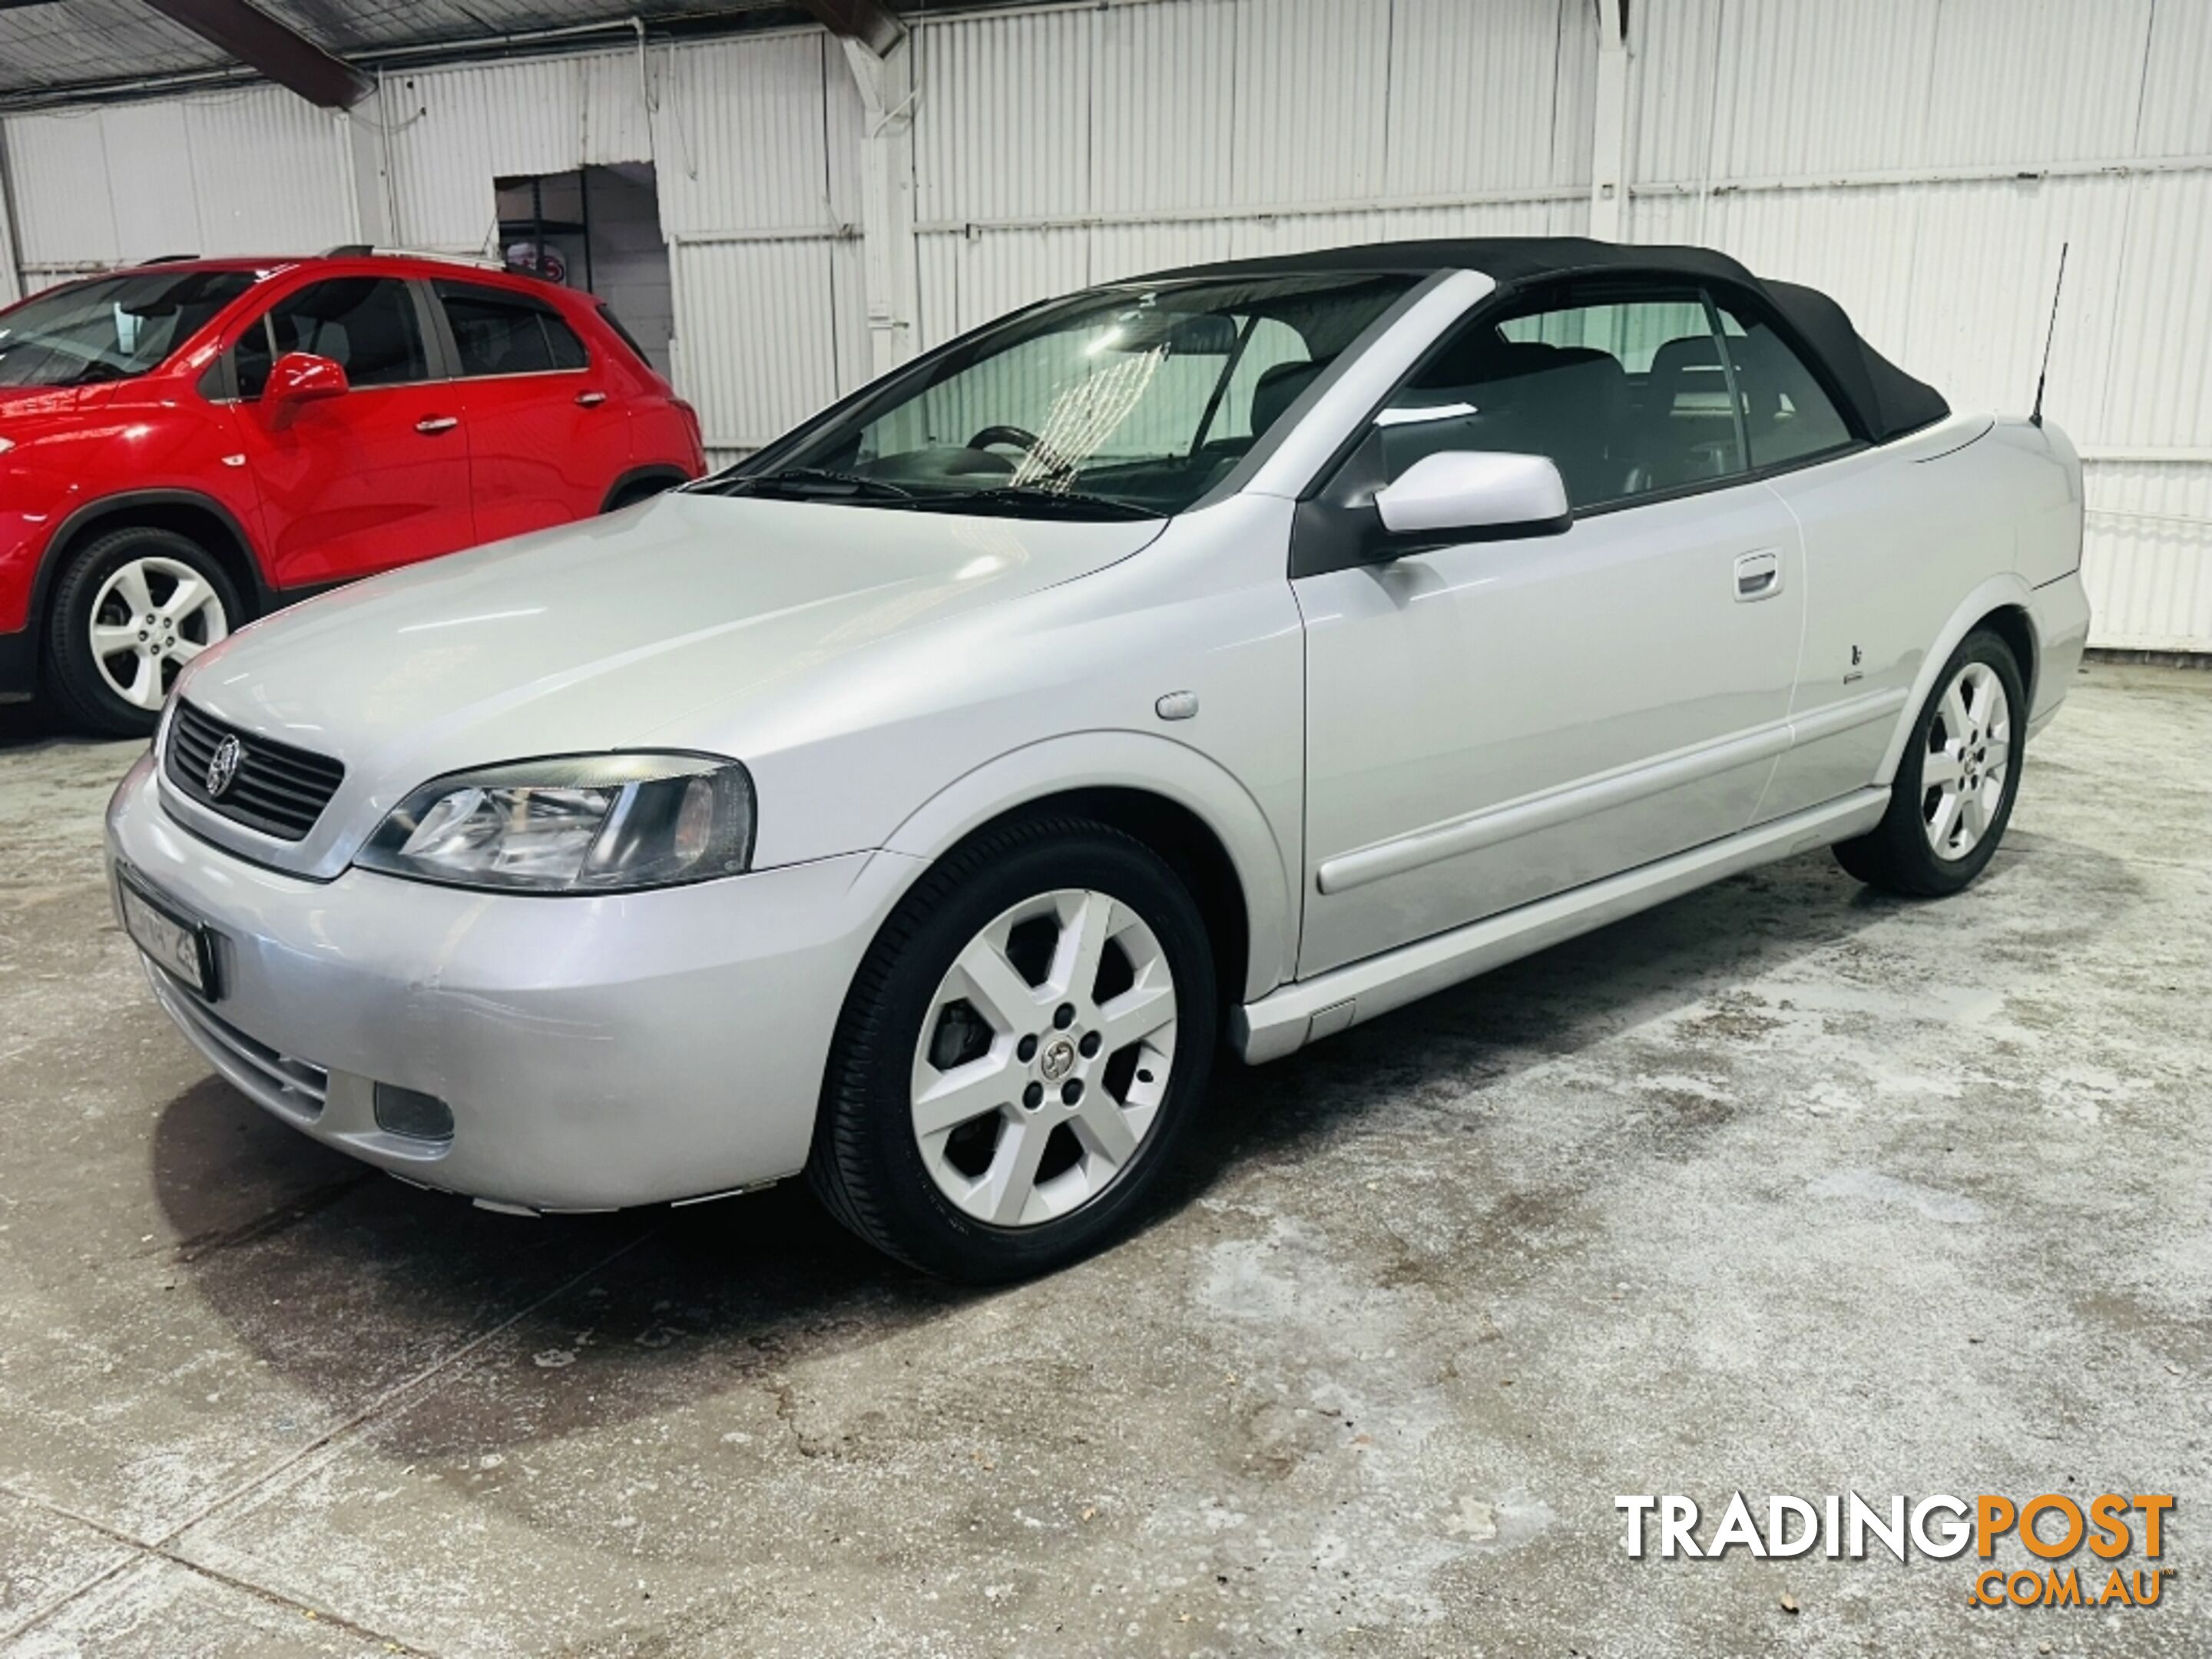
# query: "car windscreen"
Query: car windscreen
1124,402
112,328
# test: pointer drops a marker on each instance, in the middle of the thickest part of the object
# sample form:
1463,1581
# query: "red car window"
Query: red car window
501,333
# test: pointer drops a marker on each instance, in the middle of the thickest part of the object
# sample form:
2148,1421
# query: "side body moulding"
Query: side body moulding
1537,812
1287,1019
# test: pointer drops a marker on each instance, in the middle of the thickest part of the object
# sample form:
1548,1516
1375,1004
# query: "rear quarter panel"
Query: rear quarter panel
661,434
1907,546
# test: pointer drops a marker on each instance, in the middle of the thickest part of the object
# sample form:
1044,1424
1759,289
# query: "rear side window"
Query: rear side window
501,333
367,325
1786,416
621,332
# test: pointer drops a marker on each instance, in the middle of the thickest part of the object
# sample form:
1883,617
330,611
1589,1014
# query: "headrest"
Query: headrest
1277,389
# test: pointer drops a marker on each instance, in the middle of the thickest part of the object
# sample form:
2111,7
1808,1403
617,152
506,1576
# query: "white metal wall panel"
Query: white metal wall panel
756,345
1312,99
247,171
1059,146
1475,109
967,279
1925,162
740,136
1163,129
449,132
1002,116
2177,115
2160,394
11,284
150,186
617,125
2017,82
1812,89
2148,564
57,171
271,173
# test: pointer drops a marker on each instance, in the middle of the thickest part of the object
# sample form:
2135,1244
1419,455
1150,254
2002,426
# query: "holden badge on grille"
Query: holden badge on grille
222,766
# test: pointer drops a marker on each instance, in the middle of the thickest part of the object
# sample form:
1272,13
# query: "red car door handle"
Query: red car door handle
431,425
591,400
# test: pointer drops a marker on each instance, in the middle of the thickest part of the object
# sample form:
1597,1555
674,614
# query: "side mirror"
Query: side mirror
1476,495
300,377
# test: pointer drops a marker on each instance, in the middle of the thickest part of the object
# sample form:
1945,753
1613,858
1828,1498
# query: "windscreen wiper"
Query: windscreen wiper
1040,500
815,483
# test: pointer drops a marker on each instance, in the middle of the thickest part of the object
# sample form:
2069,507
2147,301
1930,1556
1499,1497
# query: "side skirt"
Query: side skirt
1285,1020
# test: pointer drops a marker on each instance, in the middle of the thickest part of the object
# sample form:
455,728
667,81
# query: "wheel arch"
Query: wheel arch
1182,803
198,518
634,485
2004,603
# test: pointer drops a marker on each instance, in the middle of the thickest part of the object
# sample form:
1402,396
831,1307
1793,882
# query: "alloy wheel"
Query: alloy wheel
1044,1058
1962,776
150,617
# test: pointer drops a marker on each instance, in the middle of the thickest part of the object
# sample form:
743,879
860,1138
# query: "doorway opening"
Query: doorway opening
596,228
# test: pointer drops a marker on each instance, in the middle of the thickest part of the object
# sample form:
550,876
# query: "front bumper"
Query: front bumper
596,1051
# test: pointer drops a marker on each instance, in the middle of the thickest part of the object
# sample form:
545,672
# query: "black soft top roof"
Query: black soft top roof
1887,401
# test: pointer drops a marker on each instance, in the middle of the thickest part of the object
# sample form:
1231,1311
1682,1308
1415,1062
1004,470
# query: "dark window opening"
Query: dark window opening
367,325
500,333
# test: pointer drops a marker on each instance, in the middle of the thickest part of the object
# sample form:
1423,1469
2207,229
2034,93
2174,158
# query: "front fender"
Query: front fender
1266,869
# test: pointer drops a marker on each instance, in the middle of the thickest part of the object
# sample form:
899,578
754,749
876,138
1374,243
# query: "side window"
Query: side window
1787,417
1627,396
501,333
365,325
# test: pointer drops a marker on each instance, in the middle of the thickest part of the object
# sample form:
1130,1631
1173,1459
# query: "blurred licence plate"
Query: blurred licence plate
184,949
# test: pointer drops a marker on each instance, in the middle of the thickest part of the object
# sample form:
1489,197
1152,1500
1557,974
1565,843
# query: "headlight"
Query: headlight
577,823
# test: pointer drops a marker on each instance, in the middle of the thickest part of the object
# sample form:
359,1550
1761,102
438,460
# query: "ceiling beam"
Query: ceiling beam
274,49
873,24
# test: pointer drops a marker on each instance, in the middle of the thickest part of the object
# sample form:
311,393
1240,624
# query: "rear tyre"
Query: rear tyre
1954,788
131,609
1025,1044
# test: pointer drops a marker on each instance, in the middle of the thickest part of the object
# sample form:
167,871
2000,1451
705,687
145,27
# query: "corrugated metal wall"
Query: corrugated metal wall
1063,147
253,169
1922,159
1925,162
753,146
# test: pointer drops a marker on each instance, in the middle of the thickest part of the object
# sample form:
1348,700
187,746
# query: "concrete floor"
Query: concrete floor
1784,1188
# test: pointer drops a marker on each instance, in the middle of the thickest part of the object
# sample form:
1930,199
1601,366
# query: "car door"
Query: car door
547,436
1489,722
1871,523
376,477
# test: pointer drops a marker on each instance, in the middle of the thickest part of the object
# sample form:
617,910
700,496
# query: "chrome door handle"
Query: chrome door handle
431,425
590,400
1758,576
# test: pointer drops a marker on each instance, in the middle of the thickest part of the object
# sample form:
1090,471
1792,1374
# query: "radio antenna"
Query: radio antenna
2035,414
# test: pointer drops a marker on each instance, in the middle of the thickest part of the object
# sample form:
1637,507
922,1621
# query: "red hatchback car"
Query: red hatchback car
184,444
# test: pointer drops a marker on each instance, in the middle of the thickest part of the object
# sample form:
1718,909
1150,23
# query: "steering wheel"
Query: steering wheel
1018,436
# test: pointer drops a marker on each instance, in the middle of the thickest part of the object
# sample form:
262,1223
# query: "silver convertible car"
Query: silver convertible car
1218,659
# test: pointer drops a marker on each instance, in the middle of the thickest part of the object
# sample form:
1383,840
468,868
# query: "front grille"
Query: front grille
277,789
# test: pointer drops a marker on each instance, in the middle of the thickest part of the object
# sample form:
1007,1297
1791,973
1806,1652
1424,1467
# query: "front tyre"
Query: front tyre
1954,788
1026,1041
131,610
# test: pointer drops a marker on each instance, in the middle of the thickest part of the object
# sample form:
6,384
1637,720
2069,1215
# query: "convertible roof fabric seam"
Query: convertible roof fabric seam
1887,401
